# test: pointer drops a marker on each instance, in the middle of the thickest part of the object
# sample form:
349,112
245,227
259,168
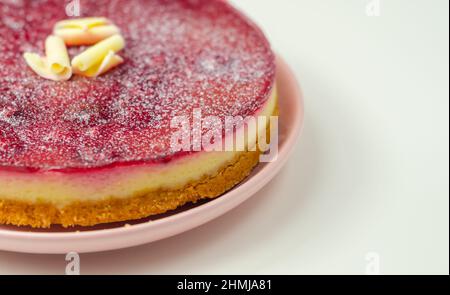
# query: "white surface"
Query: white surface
370,173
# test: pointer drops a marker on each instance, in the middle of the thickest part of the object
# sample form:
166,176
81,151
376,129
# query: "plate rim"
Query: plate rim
249,188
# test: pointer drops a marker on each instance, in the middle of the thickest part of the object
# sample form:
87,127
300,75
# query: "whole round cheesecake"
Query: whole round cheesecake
97,150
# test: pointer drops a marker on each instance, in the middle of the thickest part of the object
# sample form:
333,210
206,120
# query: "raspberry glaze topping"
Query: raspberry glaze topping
180,55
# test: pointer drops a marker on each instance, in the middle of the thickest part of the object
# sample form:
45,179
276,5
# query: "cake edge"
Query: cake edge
90,213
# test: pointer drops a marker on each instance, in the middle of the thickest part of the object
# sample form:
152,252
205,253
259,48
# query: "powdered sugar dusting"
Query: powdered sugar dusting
180,55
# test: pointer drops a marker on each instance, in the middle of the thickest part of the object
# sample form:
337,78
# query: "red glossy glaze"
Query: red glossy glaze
180,55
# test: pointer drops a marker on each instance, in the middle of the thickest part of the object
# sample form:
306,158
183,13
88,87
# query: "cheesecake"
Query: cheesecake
92,149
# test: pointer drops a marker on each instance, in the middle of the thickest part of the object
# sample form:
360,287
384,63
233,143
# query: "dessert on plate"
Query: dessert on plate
94,145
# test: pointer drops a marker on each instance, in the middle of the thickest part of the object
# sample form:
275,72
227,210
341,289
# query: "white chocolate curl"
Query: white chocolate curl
85,31
57,56
56,65
99,58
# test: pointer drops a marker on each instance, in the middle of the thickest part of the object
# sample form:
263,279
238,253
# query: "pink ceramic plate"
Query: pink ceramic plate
122,235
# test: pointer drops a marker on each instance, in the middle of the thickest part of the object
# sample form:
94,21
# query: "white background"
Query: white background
370,173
